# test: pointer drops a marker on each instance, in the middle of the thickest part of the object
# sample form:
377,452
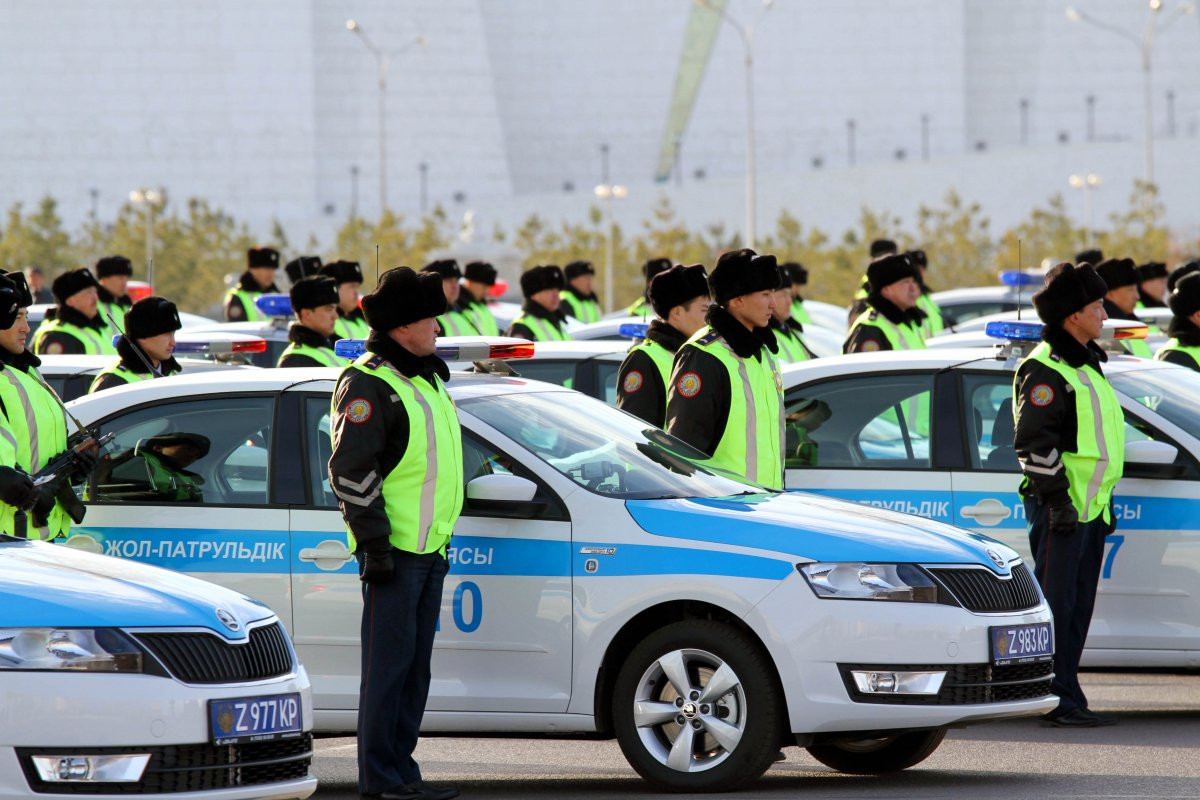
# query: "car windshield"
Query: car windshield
604,450
1173,394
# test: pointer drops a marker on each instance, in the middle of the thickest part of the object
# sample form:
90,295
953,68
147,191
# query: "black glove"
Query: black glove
375,567
42,506
1063,518
16,489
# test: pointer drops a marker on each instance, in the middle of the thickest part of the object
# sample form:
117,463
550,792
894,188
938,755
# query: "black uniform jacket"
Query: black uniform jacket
302,335
1046,424
134,359
1188,334
534,310
57,342
370,436
868,338
234,312
640,387
699,398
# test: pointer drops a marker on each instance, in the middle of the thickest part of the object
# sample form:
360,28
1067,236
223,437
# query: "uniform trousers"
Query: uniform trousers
399,621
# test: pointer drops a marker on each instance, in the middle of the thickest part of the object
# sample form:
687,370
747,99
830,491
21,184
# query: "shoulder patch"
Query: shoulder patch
53,348
1041,395
708,338
358,410
688,384
633,382
374,362
868,346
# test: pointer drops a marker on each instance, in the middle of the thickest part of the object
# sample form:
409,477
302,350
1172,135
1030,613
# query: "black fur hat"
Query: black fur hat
797,272
343,272
262,257
1180,272
653,266
1185,299
446,267
18,279
113,265
537,279
676,286
577,268
313,292
151,316
887,270
70,283
1068,289
10,303
1151,270
402,298
1092,257
883,247
1117,272
742,272
481,272
301,267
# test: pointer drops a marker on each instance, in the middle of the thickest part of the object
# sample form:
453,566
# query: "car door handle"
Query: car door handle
987,512
328,555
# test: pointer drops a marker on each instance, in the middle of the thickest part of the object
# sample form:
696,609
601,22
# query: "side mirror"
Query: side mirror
1146,451
503,495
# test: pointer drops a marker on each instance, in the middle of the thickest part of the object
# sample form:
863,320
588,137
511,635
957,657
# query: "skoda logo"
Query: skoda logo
230,621
995,557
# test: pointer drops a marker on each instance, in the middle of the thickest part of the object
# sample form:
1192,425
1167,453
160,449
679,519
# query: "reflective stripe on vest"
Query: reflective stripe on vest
900,337
1173,345
543,331
94,342
38,429
247,301
455,323
346,328
423,494
933,324
582,310
1096,464
127,375
752,443
322,355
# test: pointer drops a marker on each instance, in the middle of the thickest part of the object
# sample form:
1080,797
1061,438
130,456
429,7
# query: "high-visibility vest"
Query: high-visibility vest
36,432
900,337
125,374
800,313
791,349
247,300
95,343
543,331
1138,347
456,323
482,319
112,315
1173,345
347,328
1095,465
752,442
322,355
582,310
172,485
423,494
932,325
663,360
639,308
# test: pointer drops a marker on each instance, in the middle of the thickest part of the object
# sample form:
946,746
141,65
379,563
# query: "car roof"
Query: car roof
70,364
976,293
271,330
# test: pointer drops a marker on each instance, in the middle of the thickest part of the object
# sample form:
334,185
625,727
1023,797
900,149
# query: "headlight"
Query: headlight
81,649
902,582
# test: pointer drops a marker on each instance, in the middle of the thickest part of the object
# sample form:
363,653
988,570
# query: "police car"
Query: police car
118,680
931,433
1014,291
273,330
600,582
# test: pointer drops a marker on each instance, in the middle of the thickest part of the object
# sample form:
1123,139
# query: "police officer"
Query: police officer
933,324
16,488
302,267
397,471
258,279
579,300
454,322
797,273
789,334
680,299
539,320
348,276
726,395
1070,442
74,324
310,337
891,320
1183,348
1120,275
478,278
113,274
877,249
642,306
1152,285
34,426
146,346
166,458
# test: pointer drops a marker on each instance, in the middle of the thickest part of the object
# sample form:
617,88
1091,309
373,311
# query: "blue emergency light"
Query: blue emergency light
274,305
1019,279
465,351
1014,331
116,338
632,330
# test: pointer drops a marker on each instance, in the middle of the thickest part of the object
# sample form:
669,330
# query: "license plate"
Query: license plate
1022,644
254,719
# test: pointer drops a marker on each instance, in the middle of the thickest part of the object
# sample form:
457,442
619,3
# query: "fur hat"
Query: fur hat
402,298
918,258
313,292
653,266
886,270
18,279
742,272
676,286
71,283
262,257
1092,257
1180,272
343,272
883,247
1185,299
481,272
1151,270
537,279
113,265
1068,289
1117,272
447,268
577,268
797,272
10,303
301,267
151,316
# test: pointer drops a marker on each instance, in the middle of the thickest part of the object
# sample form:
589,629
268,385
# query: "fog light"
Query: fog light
125,768
869,682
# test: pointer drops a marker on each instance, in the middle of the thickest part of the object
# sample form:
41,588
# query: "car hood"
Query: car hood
818,528
43,584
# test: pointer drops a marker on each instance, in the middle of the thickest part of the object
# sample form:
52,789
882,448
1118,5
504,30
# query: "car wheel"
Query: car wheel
885,754
697,708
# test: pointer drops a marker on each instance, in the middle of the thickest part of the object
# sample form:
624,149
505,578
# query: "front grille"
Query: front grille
189,767
965,684
982,590
209,658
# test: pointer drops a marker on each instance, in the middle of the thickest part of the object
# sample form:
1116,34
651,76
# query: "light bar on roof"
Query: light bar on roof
451,351
219,347
1013,331
1014,278
632,330
274,305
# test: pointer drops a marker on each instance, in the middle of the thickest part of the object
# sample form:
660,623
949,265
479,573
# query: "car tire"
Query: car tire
876,756
730,734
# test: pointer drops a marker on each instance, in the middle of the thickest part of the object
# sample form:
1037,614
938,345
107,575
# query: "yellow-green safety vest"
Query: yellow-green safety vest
423,494
932,324
1174,345
322,355
791,350
482,319
1138,347
346,328
36,432
127,375
800,313
456,323
247,300
1095,465
582,310
112,315
639,308
900,337
663,360
543,331
95,343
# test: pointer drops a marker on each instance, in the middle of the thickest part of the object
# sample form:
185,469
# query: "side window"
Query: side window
480,458
877,422
1184,467
989,421
561,373
318,447
214,451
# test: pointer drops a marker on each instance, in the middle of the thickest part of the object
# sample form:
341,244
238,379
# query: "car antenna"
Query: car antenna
1020,280
377,263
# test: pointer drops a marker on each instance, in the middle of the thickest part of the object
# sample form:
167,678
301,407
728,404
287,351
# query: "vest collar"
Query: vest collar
128,351
356,314
72,317
580,295
745,343
23,361
300,334
666,335
108,297
892,312
538,310
1185,331
247,284
1068,348
1113,312
410,366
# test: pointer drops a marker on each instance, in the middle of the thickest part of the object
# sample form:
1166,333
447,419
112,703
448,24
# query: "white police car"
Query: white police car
1015,291
931,433
601,582
118,680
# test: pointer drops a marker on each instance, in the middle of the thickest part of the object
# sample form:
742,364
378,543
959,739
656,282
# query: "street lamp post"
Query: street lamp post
383,61
746,32
1086,182
609,192
148,198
